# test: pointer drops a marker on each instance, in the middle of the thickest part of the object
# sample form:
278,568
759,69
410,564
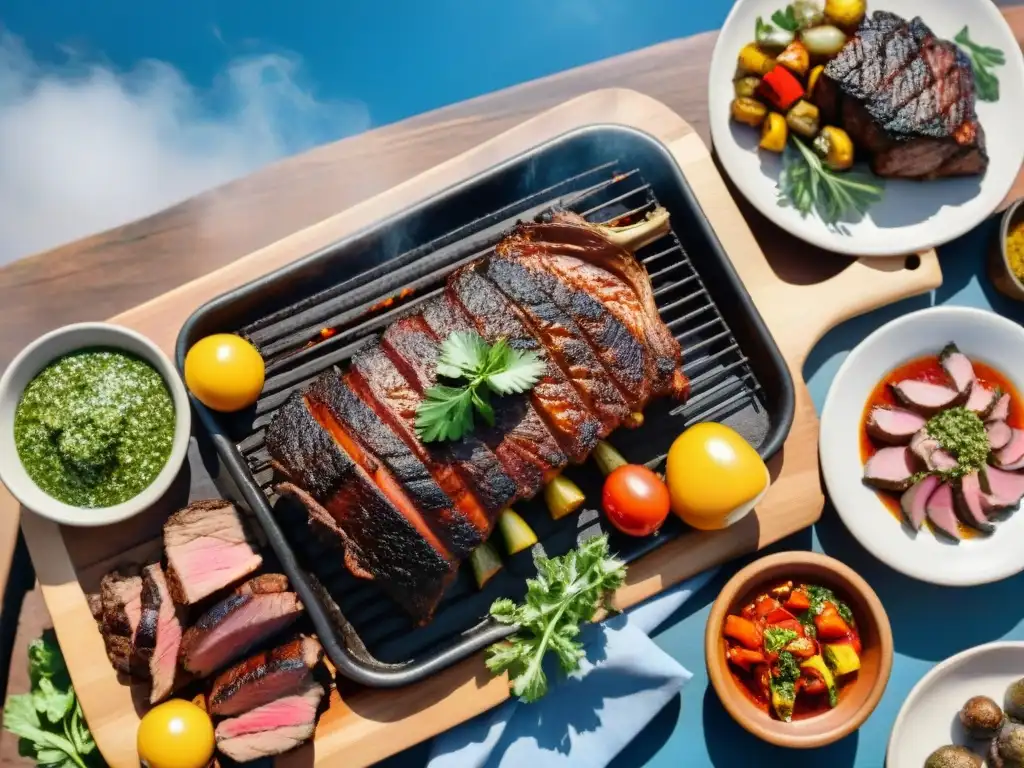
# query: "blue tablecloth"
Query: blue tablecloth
694,730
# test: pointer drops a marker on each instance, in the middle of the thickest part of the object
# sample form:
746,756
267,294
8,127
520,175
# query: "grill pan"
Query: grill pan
317,311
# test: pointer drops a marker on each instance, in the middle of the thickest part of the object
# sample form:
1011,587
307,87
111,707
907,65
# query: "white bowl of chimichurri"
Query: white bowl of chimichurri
94,424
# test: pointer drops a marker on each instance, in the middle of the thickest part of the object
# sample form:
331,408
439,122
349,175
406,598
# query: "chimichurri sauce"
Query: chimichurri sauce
95,427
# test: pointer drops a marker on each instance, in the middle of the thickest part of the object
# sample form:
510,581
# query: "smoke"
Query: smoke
84,148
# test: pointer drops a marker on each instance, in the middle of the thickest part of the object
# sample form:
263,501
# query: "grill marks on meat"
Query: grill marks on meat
120,611
207,549
571,421
273,728
265,677
233,626
907,98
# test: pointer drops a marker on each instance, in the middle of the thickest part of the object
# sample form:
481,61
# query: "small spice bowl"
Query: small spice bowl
999,270
858,699
37,356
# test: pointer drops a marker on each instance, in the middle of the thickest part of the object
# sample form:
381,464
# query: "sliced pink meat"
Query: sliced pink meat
970,506
915,499
999,434
894,426
890,469
930,454
959,368
942,512
1012,452
925,397
271,729
163,664
1004,490
265,677
1001,410
1015,466
982,400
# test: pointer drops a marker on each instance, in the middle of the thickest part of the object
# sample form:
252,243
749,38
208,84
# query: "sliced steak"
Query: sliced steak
1001,410
891,469
1003,490
555,398
1011,453
982,400
999,434
396,470
265,677
208,548
120,611
160,611
264,584
941,510
914,501
906,98
970,505
273,728
930,454
926,397
959,367
233,626
895,426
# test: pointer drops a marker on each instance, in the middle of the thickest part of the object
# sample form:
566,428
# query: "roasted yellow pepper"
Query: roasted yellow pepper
846,13
774,133
834,146
804,119
749,111
796,58
755,61
746,86
813,79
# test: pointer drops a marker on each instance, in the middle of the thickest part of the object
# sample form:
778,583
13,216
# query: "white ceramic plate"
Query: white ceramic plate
982,336
913,216
929,716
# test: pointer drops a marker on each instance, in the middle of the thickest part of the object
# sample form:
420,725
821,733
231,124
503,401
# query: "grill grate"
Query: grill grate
304,340
318,311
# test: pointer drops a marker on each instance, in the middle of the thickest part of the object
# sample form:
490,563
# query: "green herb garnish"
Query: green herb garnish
786,19
777,638
807,185
821,595
962,433
984,59
446,412
49,720
568,590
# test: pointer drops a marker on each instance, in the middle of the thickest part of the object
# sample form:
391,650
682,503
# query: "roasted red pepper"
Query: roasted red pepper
781,88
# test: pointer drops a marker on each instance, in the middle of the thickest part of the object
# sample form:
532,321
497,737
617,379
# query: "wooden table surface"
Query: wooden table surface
106,274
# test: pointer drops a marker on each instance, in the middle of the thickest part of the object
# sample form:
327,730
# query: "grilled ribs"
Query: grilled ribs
907,99
406,513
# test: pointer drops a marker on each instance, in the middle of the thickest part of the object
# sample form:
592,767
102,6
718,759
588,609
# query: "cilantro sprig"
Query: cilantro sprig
49,720
568,590
446,412
984,58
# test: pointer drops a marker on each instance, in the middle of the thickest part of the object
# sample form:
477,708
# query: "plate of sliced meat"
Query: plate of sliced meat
922,445
869,129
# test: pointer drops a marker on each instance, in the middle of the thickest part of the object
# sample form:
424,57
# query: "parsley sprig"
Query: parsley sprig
807,184
568,590
984,58
446,412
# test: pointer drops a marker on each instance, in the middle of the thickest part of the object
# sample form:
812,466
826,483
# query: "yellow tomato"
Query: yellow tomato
224,372
175,734
714,476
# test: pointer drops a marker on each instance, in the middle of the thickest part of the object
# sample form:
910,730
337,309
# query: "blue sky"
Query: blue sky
154,101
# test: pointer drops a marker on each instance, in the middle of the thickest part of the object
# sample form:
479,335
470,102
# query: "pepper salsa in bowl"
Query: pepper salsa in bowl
798,649
94,424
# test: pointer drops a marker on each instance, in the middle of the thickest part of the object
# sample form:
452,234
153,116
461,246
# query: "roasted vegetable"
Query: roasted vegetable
807,13
834,146
798,601
820,669
841,658
812,79
743,631
830,625
563,497
746,87
772,37
981,717
754,61
517,533
846,13
1007,750
825,40
952,756
781,89
795,58
804,119
1013,700
802,647
485,562
774,133
745,659
782,685
635,500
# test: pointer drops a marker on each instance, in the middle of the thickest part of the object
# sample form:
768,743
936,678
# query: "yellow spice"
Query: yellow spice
1015,250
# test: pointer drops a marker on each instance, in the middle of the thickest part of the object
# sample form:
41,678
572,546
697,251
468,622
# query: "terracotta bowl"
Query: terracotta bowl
998,262
858,699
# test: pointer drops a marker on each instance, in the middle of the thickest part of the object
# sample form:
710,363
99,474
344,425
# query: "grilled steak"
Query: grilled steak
120,610
207,549
233,626
907,99
265,677
160,624
406,513
273,728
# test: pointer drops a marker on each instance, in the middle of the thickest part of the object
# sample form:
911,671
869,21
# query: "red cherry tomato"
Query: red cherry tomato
636,500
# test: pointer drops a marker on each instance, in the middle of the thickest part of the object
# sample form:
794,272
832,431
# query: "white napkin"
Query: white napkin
587,719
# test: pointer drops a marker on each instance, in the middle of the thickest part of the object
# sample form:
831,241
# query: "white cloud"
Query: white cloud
84,148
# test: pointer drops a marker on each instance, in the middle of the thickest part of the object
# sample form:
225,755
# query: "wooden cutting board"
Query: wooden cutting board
799,302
